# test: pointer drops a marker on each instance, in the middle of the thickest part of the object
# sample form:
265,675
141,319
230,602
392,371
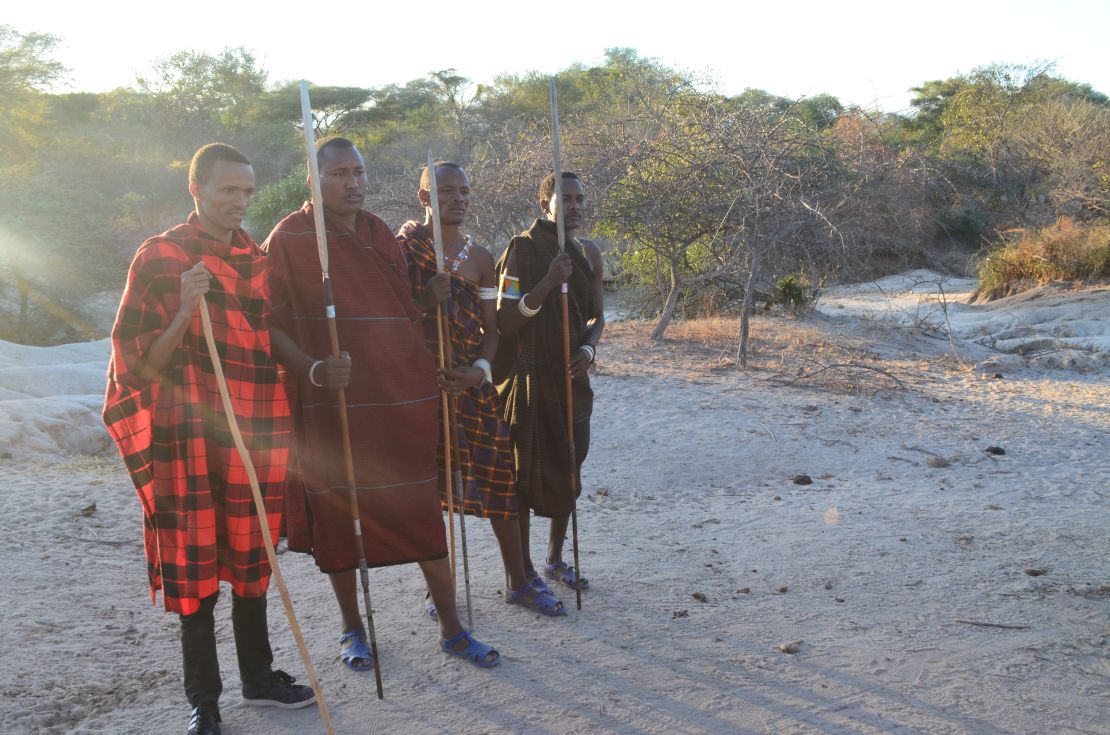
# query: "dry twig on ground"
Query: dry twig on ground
843,377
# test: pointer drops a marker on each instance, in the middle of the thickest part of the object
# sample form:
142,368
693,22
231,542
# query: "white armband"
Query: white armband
485,366
488,293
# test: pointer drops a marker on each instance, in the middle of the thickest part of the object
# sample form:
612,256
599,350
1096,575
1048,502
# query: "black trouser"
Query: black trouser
198,647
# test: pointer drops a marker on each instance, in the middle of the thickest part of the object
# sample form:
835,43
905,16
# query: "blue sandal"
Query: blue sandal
542,601
536,581
352,648
563,572
475,652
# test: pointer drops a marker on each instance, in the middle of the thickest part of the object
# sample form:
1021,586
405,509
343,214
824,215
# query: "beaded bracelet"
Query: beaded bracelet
527,310
312,373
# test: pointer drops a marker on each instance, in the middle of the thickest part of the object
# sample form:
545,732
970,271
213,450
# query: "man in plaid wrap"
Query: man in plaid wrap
484,455
389,378
531,368
163,409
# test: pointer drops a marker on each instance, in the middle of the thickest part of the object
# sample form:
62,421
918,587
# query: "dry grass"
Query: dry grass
1065,251
715,331
805,353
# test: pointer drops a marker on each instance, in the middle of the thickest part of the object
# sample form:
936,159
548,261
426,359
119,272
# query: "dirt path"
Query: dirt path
704,554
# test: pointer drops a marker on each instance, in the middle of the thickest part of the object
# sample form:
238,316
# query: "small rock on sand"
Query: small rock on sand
791,647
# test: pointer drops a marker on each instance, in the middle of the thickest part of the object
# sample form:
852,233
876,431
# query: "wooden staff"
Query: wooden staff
260,510
560,229
447,362
329,308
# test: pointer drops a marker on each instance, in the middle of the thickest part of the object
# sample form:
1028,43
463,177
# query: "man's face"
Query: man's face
453,187
342,180
222,201
574,205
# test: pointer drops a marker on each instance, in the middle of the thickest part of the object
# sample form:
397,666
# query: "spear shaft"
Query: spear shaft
260,510
344,427
453,480
560,229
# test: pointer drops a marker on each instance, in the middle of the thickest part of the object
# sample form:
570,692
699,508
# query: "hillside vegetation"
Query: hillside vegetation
702,201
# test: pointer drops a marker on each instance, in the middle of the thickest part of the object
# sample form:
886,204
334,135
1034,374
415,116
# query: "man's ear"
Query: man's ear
425,197
194,189
545,205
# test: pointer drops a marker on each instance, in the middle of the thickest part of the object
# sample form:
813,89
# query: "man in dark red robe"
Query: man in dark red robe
392,394
163,409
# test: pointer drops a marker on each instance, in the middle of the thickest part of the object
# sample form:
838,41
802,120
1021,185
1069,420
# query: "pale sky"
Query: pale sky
866,53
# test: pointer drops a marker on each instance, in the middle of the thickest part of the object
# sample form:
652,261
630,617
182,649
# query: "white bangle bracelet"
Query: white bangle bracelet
312,373
589,351
483,363
527,310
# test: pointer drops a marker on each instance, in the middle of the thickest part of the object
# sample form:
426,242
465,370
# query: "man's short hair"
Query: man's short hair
426,179
204,160
331,143
547,186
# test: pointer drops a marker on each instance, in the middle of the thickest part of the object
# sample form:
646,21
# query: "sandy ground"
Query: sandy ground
933,587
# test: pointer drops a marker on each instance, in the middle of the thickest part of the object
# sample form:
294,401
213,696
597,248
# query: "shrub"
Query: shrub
275,201
649,276
1064,251
964,222
794,291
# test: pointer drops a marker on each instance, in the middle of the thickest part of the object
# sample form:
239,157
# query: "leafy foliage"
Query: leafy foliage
794,291
278,199
25,71
964,221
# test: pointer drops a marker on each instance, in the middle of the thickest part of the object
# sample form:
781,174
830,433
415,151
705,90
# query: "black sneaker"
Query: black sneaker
278,690
204,720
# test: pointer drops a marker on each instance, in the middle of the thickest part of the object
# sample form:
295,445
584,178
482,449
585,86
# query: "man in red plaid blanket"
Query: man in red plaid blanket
163,409
484,453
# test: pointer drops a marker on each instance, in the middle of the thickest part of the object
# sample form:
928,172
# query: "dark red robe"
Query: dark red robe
392,400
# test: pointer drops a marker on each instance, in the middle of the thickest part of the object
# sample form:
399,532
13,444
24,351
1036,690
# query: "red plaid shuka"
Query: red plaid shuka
484,452
200,526
391,400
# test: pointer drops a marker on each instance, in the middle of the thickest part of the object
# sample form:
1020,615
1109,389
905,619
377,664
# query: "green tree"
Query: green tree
25,62
820,111
930,102
275,201
202,96
334,109
26,69
720,195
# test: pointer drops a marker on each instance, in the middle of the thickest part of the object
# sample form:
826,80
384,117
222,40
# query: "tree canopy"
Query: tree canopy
698,197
